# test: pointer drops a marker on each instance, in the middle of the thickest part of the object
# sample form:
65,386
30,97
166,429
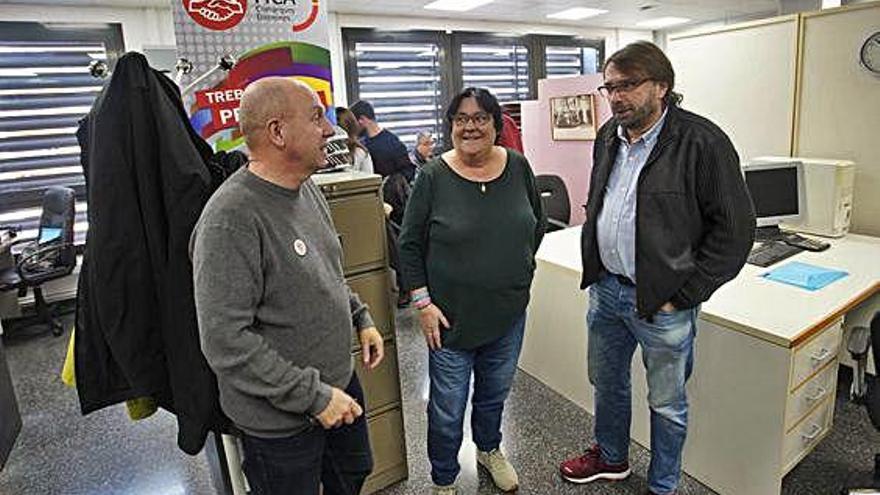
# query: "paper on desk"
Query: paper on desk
806,276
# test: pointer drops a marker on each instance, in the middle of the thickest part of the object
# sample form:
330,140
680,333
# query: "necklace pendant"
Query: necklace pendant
483,188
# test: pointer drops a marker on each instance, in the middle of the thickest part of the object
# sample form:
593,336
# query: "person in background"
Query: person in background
423,151
388,152
275,314
470,232
361,159
669,220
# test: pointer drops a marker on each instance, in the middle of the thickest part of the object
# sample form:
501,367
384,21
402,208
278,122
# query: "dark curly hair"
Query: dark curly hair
485,100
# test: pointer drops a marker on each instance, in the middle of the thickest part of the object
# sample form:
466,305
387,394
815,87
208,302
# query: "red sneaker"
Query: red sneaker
590,467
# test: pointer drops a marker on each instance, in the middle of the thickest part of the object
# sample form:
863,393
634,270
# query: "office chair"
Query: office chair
866,389
554,199
50,256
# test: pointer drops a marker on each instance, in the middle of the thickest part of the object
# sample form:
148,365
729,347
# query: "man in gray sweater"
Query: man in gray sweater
275,313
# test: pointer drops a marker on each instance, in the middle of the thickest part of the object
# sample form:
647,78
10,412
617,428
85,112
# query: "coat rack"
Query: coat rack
226,63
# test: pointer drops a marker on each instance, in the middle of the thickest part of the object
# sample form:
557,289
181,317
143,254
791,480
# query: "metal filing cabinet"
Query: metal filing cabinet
356,206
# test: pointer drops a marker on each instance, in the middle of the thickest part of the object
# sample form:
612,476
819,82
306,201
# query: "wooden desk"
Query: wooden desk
765,376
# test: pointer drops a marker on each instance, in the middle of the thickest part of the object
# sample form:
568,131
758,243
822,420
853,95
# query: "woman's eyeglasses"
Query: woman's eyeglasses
479,119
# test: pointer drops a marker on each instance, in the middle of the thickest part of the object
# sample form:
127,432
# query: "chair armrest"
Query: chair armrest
21,240
21,266
858,342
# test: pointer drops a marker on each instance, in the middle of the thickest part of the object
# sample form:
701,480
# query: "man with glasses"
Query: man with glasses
669,221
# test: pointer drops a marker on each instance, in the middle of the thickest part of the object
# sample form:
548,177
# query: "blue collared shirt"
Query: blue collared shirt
616,228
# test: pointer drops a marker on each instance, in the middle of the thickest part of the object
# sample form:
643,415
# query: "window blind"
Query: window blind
45,88
503,69
402,81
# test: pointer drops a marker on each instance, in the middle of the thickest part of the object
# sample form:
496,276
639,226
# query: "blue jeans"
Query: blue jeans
614,330
339,459
493,366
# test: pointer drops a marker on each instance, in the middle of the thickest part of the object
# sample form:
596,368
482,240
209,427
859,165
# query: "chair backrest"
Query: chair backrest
554,197
56,223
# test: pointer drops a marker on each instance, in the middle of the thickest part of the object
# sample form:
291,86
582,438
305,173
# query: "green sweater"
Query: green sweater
473,245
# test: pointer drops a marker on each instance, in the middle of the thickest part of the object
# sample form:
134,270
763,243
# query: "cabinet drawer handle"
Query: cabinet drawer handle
814,432
820,356
820,392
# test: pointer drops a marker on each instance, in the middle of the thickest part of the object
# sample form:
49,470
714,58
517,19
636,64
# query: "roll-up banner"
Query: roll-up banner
285,38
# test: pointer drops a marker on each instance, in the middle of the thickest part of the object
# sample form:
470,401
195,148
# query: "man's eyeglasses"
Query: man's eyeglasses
479,119
622,87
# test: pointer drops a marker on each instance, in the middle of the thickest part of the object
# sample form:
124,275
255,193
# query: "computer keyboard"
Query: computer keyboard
768,253
804,242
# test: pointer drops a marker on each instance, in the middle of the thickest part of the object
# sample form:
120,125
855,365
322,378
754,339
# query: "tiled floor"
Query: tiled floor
61,452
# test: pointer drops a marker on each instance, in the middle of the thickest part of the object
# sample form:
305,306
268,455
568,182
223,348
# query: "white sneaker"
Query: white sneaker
503,474
444,490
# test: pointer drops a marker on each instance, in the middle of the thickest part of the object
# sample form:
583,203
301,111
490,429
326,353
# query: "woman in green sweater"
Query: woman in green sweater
467,250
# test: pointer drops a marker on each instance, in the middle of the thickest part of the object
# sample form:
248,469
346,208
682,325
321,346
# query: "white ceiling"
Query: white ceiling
622,13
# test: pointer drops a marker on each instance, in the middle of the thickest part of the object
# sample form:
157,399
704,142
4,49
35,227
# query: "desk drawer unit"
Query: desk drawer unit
355,201
382,382
813,355
809,395
800,440
374,289
360,224
389,450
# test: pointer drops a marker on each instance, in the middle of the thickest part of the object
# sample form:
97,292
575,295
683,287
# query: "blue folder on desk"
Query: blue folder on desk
806,276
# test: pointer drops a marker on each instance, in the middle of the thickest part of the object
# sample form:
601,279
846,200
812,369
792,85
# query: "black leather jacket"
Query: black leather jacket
694,219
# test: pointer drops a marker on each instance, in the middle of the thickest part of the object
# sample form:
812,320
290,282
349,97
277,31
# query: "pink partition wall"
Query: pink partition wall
571,160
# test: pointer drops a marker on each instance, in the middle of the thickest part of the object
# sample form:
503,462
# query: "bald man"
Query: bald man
276,316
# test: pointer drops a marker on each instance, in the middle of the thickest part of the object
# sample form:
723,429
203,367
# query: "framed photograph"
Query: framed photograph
573,118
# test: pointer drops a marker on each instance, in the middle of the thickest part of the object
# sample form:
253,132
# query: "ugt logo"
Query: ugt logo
218,15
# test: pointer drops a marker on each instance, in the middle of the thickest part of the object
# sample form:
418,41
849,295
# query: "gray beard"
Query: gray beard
638,120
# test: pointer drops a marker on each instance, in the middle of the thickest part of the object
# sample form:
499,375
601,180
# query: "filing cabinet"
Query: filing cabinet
355,202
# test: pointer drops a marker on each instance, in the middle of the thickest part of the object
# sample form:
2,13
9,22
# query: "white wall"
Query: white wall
614,38
746,86
140,26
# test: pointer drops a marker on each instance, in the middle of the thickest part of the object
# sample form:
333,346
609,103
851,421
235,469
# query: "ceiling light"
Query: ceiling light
457,5
662,22
576,13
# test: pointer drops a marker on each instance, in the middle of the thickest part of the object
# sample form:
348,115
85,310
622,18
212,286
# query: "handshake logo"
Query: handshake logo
218,15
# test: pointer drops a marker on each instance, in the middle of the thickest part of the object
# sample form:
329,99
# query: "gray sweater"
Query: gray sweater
275,313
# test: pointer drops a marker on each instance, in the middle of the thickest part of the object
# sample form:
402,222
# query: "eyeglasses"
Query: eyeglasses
479,119
622,87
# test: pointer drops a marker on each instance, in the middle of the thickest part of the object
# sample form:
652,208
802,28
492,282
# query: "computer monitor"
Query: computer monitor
777,190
